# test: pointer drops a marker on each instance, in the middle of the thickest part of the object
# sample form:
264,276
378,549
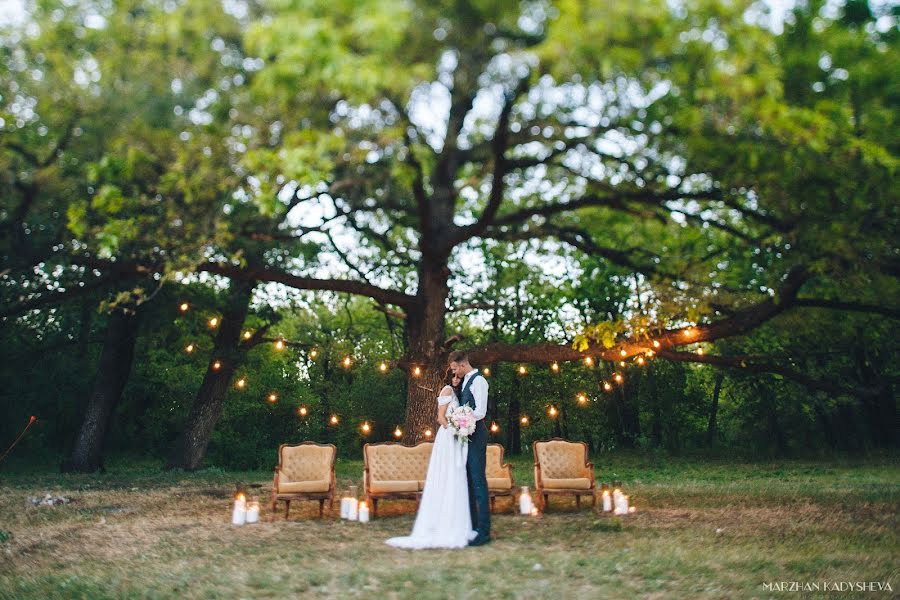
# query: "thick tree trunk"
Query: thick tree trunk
425,330
112,373
713,425
190,448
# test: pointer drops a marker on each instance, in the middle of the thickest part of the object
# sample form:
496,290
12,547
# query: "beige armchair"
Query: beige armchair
392,470
499,475
562,467
304,472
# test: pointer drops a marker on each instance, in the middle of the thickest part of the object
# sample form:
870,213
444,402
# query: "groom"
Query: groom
474,393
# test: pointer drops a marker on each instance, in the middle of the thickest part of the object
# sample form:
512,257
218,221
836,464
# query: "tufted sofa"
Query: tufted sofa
499,475
392,470
305,472
562,467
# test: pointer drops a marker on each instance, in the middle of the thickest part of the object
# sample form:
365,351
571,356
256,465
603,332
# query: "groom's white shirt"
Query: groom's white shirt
479,389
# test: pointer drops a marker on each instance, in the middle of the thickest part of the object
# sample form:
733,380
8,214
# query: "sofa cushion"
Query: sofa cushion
577,483
499,483
393,462
306,462
561,460
388,486
293,487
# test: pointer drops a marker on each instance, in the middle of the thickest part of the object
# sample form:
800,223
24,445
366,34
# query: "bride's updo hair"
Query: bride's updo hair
448,380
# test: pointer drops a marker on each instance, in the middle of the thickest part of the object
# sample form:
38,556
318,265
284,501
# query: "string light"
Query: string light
623,353
552,411
398,433
524,420
689,332
183,307
486,372
366,428
216,365
417,371
241,383
656,343
383,367
273,397
522,370
607,386
554,367
640,360
582,398
700,351
189,348
334,420
650,353
347,362
622,363
588,361
214,322
313,353
248,334
428,433
495,428
618,378
279,345
302,411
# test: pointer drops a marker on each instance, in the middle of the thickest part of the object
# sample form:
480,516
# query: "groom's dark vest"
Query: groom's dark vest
466,397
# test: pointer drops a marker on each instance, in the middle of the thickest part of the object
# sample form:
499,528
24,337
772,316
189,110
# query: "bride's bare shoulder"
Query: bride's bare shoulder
447,391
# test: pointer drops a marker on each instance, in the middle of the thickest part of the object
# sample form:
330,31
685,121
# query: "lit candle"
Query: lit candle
353,509
607,501
363,513
253,512
239,514
345,507
535,512
525,502
631,510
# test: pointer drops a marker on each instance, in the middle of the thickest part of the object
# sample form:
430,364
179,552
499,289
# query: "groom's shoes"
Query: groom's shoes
480,540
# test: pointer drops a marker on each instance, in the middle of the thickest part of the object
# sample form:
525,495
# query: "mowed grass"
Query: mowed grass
705,528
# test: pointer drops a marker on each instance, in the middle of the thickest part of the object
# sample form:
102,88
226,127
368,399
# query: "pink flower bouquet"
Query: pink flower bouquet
462,421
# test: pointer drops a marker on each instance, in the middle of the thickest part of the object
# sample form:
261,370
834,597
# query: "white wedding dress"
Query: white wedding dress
443,520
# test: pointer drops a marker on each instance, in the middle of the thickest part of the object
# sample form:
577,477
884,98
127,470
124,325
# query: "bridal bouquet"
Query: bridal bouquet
462,420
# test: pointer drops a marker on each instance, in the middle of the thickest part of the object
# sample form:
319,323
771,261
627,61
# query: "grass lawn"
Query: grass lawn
705,528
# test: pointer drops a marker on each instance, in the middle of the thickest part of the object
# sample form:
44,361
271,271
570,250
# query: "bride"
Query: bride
443,520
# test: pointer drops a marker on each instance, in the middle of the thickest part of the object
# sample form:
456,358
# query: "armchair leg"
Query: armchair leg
546,502
287,509
321,506
594,501
493,503
578,501
274,507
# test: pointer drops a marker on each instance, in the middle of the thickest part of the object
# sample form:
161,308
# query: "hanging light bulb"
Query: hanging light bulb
189,348
552,411
640,360
554,367
689,332
241,383
622,363
582,398
383,367
623,353
417,371
313,354
588,361
183,307
522,370
214,322
607,386
302,411
486,372
216,365
273,398
700,351
279,345
334,420
248,334
366,428
495,428
347,362
656,343
524,420
398,433
618,378
650,353
428,433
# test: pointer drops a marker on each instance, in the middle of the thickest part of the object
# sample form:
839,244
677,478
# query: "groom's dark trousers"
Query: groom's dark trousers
479,506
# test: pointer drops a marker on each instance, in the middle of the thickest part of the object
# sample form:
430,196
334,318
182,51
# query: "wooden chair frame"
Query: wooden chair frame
373,497
288,496
544,494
